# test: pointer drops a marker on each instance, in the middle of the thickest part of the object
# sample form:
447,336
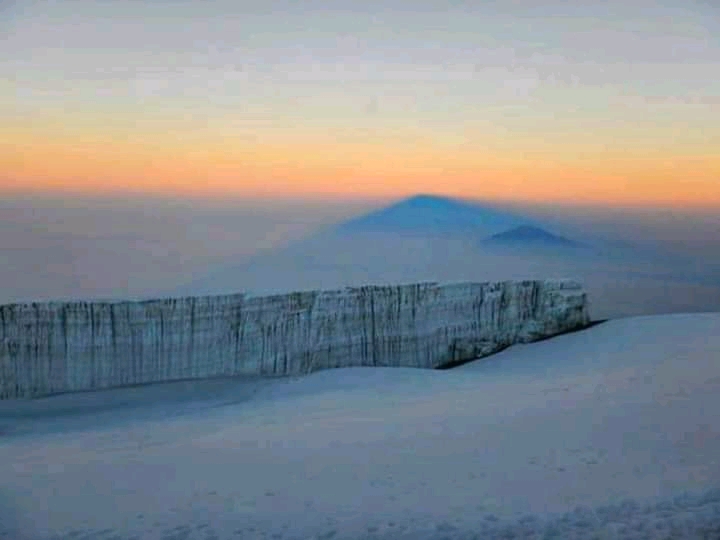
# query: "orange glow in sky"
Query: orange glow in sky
312,166
609,106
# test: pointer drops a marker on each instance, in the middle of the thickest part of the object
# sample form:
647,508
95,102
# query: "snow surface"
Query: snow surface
612,431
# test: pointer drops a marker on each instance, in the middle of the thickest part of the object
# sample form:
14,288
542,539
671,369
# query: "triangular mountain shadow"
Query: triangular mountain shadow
430,214
422,238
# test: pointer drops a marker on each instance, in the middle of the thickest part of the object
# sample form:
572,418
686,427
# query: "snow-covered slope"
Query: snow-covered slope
594,434
58,347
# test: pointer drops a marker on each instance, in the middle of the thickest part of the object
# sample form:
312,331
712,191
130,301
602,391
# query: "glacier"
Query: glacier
57,347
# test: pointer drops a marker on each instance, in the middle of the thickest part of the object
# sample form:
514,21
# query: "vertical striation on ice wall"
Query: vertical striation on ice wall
47,348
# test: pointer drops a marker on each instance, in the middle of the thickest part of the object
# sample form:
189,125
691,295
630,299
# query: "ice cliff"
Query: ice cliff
47,348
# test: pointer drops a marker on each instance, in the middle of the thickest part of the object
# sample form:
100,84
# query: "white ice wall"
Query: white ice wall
59,347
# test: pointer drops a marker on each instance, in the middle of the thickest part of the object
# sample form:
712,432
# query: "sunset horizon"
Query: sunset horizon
495,103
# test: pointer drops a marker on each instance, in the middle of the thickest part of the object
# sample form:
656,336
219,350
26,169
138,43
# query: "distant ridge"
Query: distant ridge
530,236
431,214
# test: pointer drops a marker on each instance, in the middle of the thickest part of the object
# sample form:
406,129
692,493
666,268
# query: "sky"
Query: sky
600,103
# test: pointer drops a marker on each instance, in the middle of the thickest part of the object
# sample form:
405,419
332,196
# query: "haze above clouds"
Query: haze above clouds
645,261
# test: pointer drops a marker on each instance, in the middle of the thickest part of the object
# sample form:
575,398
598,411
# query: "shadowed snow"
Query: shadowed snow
612,424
